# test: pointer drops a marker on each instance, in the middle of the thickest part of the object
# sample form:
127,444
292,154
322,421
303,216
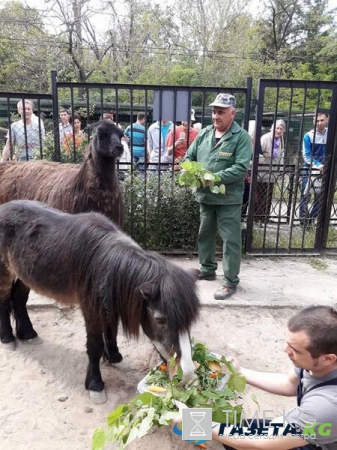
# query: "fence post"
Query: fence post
258,127
54,93
331,176
248,102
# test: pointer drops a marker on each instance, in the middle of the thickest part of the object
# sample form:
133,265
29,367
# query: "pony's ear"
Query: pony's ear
92,126
194,273
148,290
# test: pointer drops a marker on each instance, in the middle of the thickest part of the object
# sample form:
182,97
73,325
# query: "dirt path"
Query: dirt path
44,405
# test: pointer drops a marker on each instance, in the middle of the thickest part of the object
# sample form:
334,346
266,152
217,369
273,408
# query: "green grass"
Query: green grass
318,264
332,238
299,239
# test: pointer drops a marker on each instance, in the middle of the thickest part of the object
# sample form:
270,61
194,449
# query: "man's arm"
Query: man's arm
276,383
240,167
191,154
306,149
43,131
149,142
6,153
169,141
308,154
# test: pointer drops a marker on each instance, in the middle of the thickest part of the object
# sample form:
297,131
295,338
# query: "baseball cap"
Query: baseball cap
224,101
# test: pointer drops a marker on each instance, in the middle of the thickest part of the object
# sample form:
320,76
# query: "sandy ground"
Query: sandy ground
43,403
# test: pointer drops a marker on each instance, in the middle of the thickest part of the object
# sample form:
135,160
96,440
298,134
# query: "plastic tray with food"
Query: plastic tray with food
211,373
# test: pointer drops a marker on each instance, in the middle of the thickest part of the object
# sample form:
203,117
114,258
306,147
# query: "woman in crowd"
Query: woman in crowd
272,149
76,140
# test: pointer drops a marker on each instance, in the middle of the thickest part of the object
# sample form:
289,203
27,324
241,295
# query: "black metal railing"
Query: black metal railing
289,207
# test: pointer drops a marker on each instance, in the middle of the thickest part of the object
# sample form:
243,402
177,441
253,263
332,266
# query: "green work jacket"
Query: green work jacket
229,159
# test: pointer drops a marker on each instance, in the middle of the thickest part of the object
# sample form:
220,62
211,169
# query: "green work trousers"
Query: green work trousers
227,219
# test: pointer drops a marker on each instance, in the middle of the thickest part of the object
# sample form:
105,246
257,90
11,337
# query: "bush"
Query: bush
160,214
67,152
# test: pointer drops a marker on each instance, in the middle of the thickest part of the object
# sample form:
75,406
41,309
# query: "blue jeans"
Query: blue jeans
139,162
305,198
23,158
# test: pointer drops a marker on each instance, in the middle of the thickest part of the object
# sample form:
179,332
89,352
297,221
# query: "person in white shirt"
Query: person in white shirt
25,136
65,126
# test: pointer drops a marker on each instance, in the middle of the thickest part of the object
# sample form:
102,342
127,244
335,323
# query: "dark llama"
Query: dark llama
75,188
86,259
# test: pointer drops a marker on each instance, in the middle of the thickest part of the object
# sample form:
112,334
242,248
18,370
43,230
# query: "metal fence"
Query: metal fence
275,192
292,203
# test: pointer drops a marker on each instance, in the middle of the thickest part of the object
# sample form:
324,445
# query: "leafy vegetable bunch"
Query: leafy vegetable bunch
195,176
217,386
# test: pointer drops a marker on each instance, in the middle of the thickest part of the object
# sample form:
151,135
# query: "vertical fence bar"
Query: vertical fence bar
40,126
330,168
117,109
131,122
145,166
248,101
9,122
131,174
203,107
55,101
258,124
101,116
159,160
319,229
88,105
25,125
300,163
287,164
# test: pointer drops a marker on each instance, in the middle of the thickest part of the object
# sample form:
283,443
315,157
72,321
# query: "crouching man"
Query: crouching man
312,348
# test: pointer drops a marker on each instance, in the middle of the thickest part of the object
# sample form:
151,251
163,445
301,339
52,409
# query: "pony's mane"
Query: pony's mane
116,268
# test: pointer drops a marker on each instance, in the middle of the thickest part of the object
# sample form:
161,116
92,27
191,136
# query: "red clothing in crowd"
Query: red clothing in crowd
180,149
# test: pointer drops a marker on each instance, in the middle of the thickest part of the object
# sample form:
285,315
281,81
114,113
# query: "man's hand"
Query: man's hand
180,406
6,152
235,363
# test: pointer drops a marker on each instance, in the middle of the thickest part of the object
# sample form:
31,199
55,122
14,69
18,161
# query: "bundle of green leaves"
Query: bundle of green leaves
195,176
218,386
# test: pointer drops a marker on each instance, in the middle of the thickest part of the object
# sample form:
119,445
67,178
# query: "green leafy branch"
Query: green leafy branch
195,176
134,420
217,386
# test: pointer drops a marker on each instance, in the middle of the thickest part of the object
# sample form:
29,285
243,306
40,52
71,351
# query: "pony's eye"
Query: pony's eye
160,320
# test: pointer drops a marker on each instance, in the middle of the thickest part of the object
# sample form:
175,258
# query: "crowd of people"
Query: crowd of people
273,158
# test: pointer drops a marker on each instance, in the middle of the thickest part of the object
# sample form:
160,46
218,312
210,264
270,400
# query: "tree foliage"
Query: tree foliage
294,33
23,53
207,42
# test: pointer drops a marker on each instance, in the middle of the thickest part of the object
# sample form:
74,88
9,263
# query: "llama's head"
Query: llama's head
106,141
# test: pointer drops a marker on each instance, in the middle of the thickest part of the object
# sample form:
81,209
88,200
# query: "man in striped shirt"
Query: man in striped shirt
136,135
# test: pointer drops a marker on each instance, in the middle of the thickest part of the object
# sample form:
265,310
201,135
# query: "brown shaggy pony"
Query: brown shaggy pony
91,186
87,259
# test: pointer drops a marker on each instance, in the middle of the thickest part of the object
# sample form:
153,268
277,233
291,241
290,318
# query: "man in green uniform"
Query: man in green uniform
225,149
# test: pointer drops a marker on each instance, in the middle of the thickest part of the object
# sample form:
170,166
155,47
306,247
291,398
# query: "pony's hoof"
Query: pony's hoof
98,397
35,341
116,358
9,346
113,359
